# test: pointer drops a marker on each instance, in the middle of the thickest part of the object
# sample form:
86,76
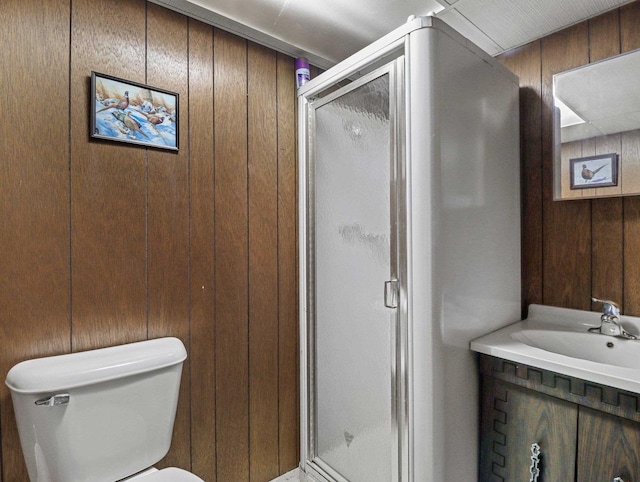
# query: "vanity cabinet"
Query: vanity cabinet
513,419
586,432
607,445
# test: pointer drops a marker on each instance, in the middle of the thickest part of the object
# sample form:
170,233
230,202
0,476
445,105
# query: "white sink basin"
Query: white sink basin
558,339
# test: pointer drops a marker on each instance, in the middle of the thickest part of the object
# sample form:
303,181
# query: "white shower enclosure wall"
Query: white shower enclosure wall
409,248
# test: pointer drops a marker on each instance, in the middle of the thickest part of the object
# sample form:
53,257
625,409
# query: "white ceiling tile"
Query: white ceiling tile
515,22
453,18
604,94
327,31
332,29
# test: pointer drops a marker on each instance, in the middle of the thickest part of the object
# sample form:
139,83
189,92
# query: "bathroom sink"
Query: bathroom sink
558,339
584,345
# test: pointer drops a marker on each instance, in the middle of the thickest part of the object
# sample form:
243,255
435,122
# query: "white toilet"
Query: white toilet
100,415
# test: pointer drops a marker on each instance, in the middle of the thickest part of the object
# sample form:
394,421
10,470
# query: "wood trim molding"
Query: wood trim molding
581,392
494,438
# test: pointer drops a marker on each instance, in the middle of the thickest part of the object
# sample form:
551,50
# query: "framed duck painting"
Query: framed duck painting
126,111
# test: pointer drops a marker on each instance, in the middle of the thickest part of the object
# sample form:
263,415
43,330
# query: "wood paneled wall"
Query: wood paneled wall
104,243
573,249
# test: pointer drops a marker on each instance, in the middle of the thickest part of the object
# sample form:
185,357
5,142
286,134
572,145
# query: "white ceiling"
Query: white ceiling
328,31
605,95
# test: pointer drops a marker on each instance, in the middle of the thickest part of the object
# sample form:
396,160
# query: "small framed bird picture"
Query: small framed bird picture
126,111
594,171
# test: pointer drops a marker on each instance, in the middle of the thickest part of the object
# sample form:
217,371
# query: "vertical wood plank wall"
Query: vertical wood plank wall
104,243
572,250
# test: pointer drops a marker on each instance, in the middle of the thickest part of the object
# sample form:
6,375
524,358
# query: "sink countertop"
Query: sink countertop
511,343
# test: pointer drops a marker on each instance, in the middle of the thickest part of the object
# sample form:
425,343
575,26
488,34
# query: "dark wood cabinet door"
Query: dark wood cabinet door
513,419
608,447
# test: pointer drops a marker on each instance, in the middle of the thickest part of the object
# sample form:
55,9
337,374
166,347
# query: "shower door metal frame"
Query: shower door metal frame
399,458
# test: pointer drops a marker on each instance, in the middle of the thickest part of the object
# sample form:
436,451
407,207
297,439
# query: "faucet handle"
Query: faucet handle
609,308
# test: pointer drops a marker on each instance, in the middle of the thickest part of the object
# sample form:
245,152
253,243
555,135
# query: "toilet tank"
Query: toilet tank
99,415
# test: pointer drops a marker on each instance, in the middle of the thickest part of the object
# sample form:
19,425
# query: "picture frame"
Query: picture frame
134,113
594,171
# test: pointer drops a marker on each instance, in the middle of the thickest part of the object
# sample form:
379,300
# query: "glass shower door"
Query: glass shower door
353,287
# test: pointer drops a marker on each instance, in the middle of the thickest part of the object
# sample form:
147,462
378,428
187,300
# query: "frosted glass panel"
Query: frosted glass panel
354,330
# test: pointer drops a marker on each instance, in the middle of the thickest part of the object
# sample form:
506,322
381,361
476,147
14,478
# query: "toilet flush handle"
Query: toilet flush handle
60,399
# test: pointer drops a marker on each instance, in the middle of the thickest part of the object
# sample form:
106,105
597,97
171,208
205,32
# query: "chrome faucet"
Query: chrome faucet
610,321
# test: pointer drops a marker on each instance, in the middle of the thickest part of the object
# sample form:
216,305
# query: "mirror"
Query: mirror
597,129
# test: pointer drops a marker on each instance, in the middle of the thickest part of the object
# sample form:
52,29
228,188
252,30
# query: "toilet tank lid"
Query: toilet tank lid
63,372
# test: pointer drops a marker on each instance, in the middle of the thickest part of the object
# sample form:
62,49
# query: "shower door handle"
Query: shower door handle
391,293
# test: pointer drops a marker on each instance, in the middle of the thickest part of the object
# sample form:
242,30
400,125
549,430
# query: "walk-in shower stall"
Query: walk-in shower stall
409,248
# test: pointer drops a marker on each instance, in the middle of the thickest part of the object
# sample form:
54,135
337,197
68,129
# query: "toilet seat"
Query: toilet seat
171,474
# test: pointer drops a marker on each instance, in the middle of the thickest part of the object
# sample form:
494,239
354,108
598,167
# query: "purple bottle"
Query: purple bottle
302,71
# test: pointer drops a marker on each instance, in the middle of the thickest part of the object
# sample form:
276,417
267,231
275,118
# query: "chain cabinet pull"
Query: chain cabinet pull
534,470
